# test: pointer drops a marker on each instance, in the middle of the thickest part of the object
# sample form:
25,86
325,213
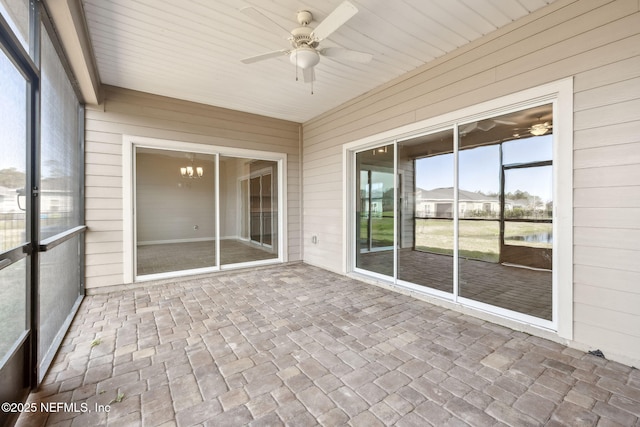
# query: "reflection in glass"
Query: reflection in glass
505,211
374,211
528,228
479,203
248,210
13,134
175,215
13,303
425,201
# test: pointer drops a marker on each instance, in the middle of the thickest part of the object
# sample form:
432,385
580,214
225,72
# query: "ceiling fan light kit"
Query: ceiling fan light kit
305,40
304,57
540,129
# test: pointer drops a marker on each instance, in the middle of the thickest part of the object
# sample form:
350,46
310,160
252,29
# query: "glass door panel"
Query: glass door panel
528,228
425,203
15,213
504,208
13,177
375,210
13,306
175,211
248,210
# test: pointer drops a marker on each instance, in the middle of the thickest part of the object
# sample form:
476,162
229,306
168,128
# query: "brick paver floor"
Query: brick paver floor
297,345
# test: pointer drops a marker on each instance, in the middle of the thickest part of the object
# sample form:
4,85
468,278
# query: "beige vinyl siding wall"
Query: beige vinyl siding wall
597,43
125,112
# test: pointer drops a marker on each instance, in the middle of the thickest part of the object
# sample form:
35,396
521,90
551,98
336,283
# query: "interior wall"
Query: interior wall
169,208
595,42
126,112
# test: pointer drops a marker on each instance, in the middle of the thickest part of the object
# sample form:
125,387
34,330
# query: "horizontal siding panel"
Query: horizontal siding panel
617,197
109,258
617,259
142,99
98,237
104,270
610,73
614,93
103,203
625,302
105,248
92,137
175,135
613,340
103,215
607,217
610,176
103,170
572,36
623,133
607,115
101,158
620,280
612,320
607,238
615,155
103,193
103,181
103,148
95,225
124,112
103,281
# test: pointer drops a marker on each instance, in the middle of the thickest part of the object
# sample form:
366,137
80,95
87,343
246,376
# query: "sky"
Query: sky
479,168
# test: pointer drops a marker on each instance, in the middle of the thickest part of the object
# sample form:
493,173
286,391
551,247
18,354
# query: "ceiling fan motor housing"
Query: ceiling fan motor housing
301,36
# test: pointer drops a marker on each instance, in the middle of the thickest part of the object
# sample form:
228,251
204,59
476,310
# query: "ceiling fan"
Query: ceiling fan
304,52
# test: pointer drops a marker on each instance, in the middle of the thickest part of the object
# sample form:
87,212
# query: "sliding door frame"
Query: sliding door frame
560,95
131,142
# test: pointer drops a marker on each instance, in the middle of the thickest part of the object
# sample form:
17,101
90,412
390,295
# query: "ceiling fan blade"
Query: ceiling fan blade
309,75
265,21
505,122
339,16
346,54
264,56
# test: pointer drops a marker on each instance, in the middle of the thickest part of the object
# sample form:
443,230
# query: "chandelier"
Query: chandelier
191,172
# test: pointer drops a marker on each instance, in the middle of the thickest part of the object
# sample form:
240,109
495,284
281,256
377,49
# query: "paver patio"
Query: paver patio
297,345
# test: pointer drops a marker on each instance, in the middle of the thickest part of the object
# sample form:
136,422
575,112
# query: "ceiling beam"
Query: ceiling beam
69,21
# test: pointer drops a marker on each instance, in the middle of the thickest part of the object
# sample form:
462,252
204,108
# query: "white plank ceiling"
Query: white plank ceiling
191,49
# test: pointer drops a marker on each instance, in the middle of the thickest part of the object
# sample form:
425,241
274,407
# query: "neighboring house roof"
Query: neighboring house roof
447,194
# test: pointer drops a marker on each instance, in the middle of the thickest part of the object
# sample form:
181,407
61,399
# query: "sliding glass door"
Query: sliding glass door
472,217
201,211
425,207
375,210
249,210
15,215
175,211
505,212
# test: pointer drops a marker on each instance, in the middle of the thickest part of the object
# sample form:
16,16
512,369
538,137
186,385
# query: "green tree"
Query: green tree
12,178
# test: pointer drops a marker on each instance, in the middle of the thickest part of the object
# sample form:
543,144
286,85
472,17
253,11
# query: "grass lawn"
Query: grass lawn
477,239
